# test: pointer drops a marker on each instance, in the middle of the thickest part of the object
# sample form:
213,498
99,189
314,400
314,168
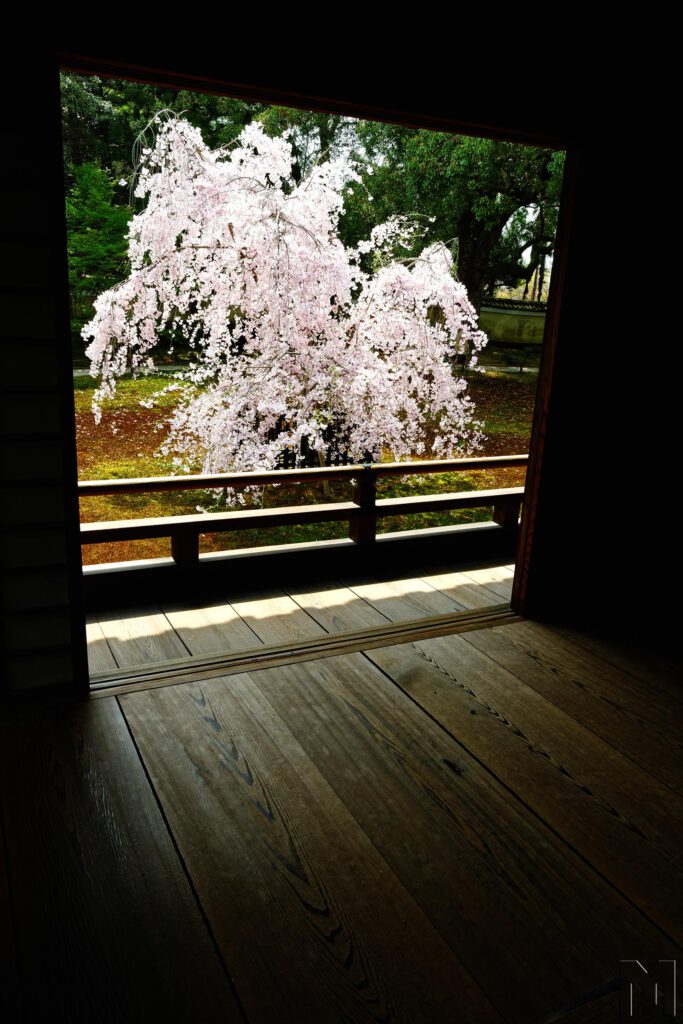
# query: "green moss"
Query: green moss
130,391
436,483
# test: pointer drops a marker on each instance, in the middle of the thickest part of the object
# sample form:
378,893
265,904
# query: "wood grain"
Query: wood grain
212,628
603,1010
100,658
649,701
337,609
108,929
463,589
275,618
326,645
587,792
138,636
613,706
654,668
497,578
480,865
312,921
142,636
607,1009
405,599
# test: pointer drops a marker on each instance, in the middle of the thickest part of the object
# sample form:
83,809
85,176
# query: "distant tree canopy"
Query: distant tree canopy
96,236
490,202
101,121
101,118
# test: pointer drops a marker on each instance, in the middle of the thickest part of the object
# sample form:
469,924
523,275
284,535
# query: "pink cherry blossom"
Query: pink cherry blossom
286,325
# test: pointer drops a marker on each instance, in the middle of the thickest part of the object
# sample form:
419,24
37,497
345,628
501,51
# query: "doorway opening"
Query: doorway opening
335,505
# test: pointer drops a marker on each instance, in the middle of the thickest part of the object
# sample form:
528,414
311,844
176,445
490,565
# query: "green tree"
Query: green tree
490,201
102,118
96,238
92,126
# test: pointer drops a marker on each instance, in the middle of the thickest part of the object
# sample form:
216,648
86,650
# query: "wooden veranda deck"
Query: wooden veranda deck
475,827
149,643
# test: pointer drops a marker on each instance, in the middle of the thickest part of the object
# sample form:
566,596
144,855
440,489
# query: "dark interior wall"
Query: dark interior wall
606,551
42,638
603,416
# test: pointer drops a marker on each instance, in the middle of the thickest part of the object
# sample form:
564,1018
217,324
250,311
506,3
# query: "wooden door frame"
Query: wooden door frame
335,101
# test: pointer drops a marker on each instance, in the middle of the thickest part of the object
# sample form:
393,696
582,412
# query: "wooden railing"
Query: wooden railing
361,513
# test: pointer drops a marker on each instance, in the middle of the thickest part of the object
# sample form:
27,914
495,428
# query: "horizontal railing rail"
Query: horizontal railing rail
210,481
362,512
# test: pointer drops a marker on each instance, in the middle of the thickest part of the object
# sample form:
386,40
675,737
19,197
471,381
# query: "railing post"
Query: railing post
185,548
363,528
506,514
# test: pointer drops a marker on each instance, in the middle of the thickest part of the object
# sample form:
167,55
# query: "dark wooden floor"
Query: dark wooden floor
477,828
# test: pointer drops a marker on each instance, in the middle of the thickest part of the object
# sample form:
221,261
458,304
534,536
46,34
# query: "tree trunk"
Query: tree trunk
327,494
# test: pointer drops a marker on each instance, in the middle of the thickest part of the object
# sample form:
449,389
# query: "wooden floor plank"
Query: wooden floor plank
405,599
275,618
618,713
650,701
488,574
312,921
479,864
497,578
108,929
325,645
604,1010
137,636
211,628
650,747
100,658
611,1008
140,636
630,657
620,819
337,609
463,589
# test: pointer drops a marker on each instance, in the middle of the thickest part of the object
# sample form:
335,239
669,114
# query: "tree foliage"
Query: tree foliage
96,228
101,118
490,201
494,204
293,337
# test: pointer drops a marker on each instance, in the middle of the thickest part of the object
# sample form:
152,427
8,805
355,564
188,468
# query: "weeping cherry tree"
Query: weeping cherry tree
295,337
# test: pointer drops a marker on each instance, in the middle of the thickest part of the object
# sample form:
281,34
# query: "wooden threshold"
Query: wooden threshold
183,670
